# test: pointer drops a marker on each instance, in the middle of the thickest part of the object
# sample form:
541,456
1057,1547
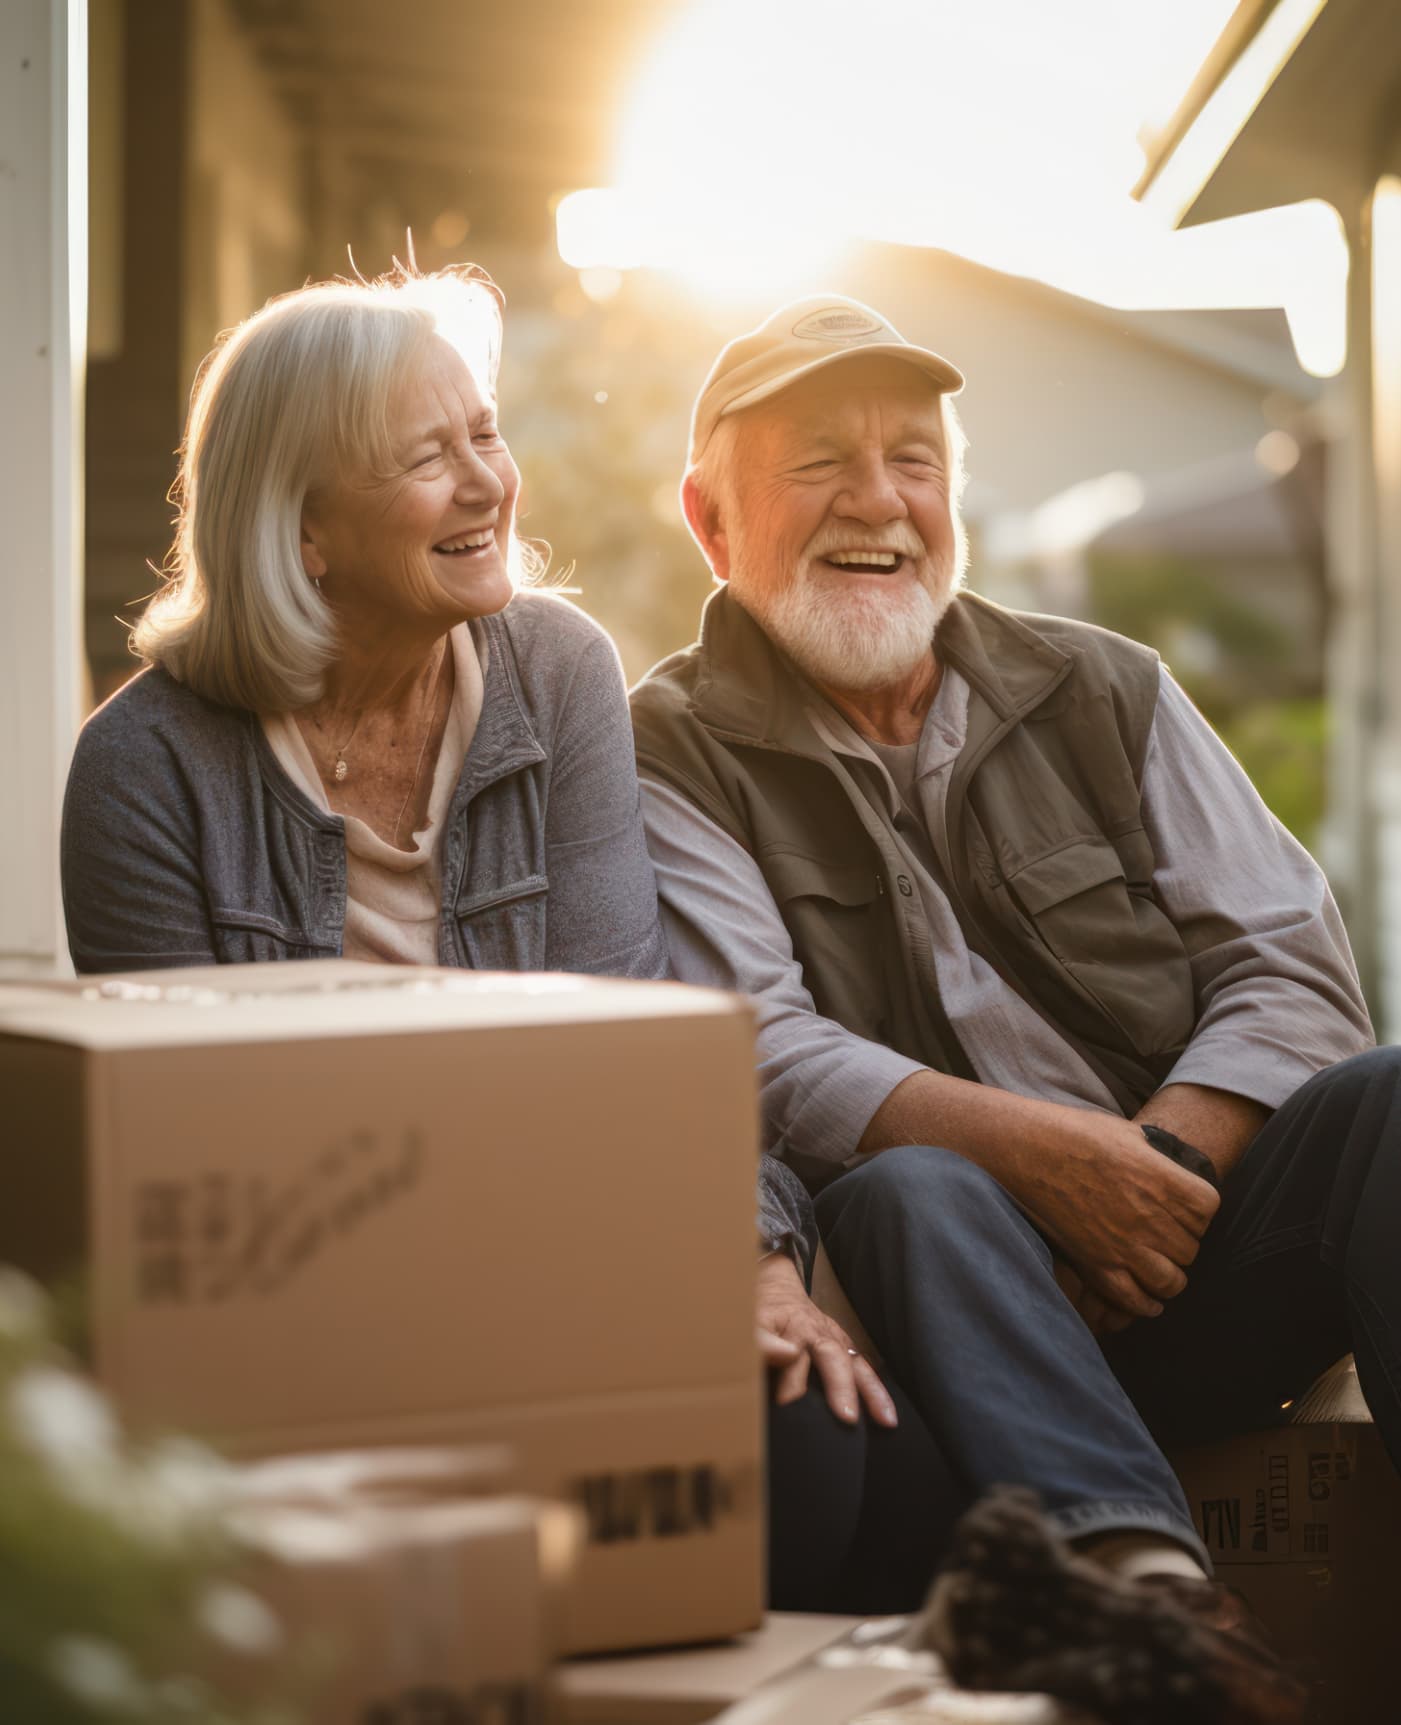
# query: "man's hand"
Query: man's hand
795,1335
1128,1220
1100,1318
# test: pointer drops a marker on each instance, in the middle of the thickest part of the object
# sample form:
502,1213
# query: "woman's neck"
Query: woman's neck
389,678
380,721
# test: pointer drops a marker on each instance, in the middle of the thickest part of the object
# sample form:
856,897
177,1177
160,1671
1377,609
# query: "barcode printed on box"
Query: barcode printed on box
1315,1537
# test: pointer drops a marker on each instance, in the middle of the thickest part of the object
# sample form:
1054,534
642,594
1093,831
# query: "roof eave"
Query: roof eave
1187,157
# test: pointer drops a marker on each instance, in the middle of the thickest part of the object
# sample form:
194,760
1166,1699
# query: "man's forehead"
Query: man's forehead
848,392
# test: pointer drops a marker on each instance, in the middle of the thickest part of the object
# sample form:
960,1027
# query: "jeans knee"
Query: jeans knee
1378,1063
915,1183
1377,1070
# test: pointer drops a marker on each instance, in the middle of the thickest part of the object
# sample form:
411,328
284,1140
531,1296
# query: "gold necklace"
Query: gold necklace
341,771
342,767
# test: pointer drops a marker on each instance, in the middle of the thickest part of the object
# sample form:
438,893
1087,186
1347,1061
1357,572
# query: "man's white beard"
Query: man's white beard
845,635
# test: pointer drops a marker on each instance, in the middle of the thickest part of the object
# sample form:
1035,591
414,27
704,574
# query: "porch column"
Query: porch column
43,242
1386,409
1349,838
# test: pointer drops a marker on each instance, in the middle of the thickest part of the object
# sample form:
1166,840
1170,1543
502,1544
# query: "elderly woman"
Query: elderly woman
348,742
357,734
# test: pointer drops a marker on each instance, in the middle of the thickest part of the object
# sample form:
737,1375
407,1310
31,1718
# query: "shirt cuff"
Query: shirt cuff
824,1124
1258,1068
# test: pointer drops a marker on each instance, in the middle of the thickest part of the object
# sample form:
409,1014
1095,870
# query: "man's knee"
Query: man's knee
915,1185
1371,1078
1377,1065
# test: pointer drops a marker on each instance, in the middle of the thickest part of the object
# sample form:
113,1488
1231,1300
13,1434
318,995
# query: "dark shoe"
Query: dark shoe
1223,1608
1015,1609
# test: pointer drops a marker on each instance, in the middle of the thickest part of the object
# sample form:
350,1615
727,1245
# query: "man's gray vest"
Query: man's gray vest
1043,853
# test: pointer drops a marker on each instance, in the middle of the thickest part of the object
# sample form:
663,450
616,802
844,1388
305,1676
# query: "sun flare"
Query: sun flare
761,141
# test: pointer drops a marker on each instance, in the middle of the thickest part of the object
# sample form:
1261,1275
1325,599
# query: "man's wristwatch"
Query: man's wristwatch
1184,1154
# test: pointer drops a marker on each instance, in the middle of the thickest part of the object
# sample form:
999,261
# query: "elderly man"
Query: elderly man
1057,1021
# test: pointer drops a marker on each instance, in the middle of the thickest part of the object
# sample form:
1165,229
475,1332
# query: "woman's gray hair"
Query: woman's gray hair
714,474
295,395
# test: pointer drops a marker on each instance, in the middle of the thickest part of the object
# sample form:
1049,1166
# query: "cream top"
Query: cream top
393,898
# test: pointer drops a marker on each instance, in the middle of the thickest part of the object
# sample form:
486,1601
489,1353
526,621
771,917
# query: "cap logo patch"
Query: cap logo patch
837,323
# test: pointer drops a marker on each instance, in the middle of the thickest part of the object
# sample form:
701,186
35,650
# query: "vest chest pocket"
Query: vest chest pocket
835,915
792,875
1110,940
503,927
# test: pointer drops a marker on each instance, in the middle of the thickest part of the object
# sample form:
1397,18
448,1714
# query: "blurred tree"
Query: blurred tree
1242,667
596,405
1283,746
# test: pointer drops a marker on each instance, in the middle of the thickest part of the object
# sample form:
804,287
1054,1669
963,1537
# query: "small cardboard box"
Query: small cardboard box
328,1205
1306,1521
394,1613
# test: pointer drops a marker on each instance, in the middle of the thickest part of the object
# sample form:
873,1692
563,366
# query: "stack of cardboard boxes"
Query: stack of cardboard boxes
326,1206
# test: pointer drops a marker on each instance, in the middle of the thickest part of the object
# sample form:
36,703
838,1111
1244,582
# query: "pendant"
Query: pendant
341,771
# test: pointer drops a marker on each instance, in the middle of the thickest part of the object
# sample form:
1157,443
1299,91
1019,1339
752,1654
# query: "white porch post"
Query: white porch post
43,241
1386,402
1349,848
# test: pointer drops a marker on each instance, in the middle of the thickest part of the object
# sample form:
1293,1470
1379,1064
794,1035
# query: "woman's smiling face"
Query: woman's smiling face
429,540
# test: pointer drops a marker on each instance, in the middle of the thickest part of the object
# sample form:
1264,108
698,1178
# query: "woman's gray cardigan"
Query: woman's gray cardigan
184,841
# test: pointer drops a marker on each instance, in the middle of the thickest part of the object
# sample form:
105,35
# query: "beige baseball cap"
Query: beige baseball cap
793,341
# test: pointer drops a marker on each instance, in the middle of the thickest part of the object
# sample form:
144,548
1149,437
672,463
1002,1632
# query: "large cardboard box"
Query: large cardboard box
1305,1520
328,1205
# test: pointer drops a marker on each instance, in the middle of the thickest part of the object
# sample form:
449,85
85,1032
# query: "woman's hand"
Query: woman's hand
795,1335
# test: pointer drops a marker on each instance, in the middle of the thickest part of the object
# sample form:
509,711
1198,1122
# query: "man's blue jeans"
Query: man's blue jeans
1301,1263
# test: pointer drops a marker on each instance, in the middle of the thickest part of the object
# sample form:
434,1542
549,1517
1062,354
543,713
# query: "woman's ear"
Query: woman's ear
706,522
312,560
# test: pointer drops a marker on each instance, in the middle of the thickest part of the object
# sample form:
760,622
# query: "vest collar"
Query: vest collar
748,688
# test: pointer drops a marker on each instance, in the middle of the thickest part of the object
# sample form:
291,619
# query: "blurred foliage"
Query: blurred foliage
1233,650
596,402
114,1569
1256,683
1283,746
